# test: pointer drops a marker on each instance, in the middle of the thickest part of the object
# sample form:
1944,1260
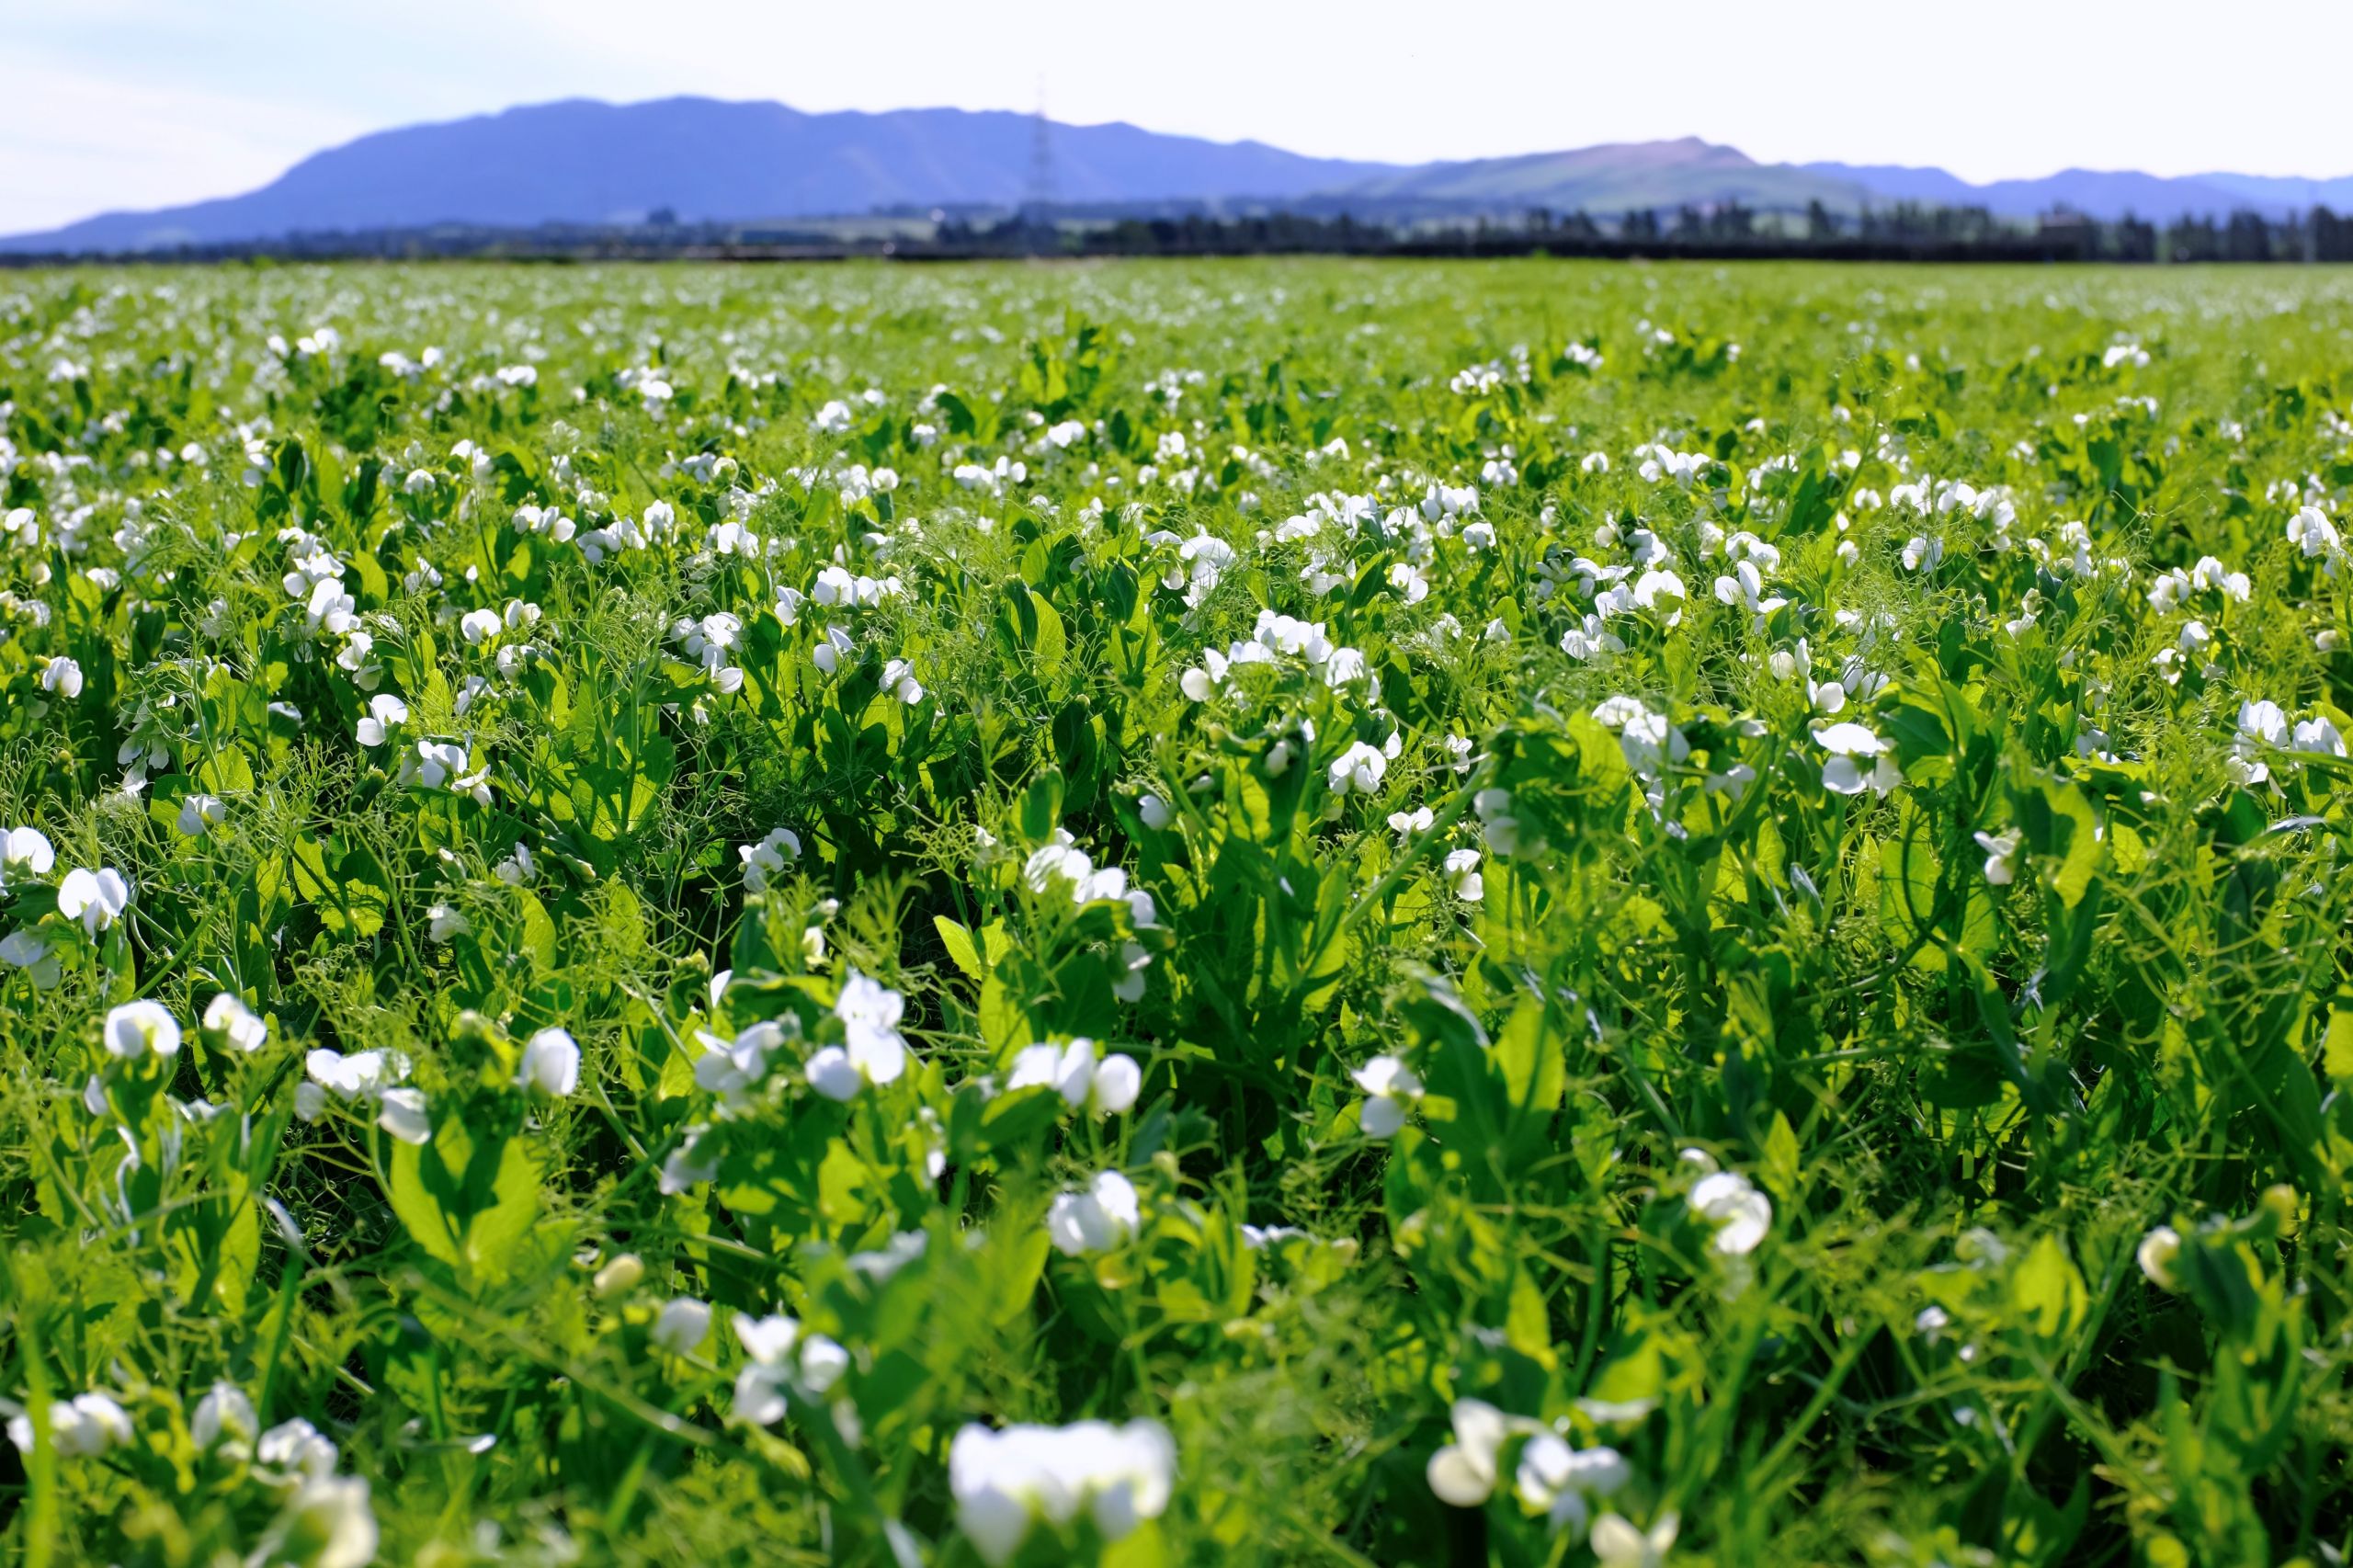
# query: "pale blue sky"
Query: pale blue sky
138,103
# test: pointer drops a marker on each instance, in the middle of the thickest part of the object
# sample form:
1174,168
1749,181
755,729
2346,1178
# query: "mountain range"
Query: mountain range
580,161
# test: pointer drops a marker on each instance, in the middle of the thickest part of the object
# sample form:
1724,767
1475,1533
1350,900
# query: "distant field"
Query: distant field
1243,913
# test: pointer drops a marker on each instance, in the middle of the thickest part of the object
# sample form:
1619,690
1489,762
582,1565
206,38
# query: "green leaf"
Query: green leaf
958,942
2047,1289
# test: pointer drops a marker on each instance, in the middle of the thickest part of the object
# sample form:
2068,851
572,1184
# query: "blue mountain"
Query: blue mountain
2096,193
581,161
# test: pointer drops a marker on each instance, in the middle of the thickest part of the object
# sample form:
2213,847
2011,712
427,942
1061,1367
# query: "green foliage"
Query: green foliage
1242,912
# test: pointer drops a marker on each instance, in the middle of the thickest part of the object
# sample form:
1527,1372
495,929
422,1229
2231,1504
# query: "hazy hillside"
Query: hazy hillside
586,162
1611,178
2105,194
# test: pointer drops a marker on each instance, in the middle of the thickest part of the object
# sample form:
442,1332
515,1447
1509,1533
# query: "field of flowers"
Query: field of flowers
1251,912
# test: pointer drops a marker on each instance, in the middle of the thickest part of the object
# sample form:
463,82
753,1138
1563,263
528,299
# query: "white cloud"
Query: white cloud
78,143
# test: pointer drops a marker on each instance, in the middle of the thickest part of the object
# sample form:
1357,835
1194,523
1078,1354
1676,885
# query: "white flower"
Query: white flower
767,858
1097,1219
872,1051
1617,1544
362,1074
328,1522
1661,591
2318,735
728,1067
85,1425
899,680
1391,1088
681,1324
2001,855
1463,1472
198,811
517,869
385,713
95,898
2261,724
136,1028
1923,553
1154,811
1462,875
1404,824
292,1449
1109,1087
26,950
551,1063
228,1016
1003,1481
25,849
401,1112
224,1411
1731,1203
63,678
1558,1480
1360,769
2157,1254
1843,773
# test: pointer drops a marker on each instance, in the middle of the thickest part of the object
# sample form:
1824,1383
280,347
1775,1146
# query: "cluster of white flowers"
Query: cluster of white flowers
365,1078
1005,1482
1552,1478
2264,734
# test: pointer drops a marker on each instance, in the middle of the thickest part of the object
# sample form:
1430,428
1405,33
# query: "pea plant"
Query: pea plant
1256,911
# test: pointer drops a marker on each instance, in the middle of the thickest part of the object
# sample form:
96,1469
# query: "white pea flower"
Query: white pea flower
1850,745
767,860
1360,769
872,1051
29,951
2002,855
2159,1251
2318,736
1005,1481
681,1324
224,1411
1463,1472
227,1016
385,713
79,1427
1097,1218
551,1063
96,899
1740,1214
1391,1088
25,850
402,1113
1618,1544
1462,875
330,1517
61,678
1109,1086
899,680
139,1028
1560,1481
198,811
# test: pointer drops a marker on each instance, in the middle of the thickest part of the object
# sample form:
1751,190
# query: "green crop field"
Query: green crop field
1242,913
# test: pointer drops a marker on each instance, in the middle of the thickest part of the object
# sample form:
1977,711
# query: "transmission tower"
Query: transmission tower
1038,203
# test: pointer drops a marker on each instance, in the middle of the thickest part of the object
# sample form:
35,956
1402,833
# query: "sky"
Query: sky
142,103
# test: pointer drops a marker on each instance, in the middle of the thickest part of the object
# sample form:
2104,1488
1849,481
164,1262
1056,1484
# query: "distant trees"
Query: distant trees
1905,231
